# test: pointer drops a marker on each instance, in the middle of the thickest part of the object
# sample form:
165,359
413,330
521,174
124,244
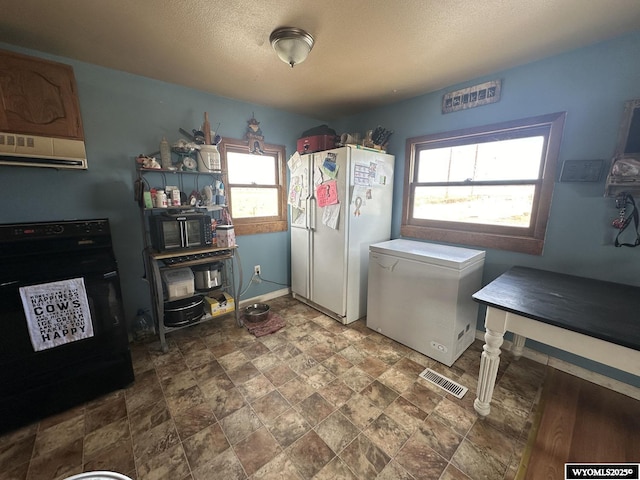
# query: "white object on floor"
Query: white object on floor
420,295
98,476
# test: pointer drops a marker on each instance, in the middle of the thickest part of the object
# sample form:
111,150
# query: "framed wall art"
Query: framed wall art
482,94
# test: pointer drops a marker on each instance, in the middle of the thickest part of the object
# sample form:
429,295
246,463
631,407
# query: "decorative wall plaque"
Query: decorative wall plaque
482,94
254,136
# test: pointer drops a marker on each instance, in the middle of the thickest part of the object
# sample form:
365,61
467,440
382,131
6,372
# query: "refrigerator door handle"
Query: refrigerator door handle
312,213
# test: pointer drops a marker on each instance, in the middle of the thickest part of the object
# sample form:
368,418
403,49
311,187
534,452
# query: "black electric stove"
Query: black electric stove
59,282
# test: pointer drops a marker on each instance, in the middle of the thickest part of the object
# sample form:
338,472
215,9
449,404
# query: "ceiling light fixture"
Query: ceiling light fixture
291,44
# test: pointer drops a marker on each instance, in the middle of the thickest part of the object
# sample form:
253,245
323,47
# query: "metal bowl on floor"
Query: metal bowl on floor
256,312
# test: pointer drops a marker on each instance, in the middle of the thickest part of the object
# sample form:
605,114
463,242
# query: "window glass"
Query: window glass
254,202
488,186
514,159
509,205
246,168
255,187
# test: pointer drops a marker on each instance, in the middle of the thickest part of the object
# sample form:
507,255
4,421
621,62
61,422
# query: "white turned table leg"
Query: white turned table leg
488,371
518,345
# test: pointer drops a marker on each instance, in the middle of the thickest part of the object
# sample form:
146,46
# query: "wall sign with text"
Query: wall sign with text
482,94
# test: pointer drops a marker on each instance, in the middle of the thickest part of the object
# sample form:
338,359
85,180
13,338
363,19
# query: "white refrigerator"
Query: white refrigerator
340,203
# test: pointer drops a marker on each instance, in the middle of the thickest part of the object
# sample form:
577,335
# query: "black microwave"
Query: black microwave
175,232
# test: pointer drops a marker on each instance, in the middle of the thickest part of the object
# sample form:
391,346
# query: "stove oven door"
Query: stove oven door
35,384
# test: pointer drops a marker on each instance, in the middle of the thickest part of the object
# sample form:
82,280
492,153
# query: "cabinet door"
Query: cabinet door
38,97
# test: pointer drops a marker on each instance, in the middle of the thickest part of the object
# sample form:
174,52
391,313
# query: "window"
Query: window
489,186
256,187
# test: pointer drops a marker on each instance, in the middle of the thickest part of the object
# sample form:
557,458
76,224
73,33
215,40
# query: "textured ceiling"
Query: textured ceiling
367,53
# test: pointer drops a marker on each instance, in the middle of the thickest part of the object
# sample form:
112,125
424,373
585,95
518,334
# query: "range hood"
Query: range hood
37,151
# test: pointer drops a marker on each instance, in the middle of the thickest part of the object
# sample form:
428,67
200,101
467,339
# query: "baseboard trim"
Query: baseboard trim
266,297
575,370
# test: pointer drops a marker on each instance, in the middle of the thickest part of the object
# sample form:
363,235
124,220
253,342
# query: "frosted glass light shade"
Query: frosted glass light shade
291,44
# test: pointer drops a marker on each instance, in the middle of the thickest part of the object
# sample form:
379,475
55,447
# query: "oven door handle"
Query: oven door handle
184,240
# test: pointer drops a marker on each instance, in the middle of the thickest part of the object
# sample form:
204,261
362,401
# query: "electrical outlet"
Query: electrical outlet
256,270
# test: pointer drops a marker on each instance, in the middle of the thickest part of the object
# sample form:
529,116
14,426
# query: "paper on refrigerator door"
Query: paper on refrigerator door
298,194
374,173
298,191
298,216
359,196
331,215
362,174
383,172
327,193
294,162
329,165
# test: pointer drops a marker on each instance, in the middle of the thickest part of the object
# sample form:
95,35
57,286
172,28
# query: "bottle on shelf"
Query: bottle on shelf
165,154
142,327
161,199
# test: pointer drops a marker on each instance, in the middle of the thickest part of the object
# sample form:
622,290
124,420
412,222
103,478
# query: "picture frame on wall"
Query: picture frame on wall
470,97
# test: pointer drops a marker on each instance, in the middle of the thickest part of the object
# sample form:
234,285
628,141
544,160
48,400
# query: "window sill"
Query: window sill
262,227
528,245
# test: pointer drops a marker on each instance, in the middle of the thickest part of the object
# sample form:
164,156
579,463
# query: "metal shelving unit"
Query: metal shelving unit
155,262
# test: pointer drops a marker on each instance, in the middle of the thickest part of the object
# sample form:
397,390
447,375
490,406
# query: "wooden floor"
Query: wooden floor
581,422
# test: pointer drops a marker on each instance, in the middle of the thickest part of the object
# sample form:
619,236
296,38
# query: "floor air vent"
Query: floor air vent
445,383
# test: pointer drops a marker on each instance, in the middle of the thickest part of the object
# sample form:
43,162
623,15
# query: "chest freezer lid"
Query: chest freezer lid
431,253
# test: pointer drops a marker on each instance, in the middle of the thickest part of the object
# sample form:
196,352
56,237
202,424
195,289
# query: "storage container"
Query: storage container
316,143
208,276
219,303
178,282
226,236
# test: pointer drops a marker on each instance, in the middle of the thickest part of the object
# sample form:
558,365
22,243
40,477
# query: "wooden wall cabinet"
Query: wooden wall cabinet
38,97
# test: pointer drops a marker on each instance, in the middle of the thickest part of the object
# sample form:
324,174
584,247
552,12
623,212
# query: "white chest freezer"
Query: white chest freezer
419,294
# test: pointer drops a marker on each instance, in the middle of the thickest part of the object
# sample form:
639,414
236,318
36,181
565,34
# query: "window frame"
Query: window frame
254,225
524,240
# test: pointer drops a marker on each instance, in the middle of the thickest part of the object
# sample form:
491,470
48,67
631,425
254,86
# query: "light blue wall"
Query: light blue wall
591,85
124,115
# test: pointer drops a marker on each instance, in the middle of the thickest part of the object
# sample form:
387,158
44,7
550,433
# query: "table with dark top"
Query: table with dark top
595,319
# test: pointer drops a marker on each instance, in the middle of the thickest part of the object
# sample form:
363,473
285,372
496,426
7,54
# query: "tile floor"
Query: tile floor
315,400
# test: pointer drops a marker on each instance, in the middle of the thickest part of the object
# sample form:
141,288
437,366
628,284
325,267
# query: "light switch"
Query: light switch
581,170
